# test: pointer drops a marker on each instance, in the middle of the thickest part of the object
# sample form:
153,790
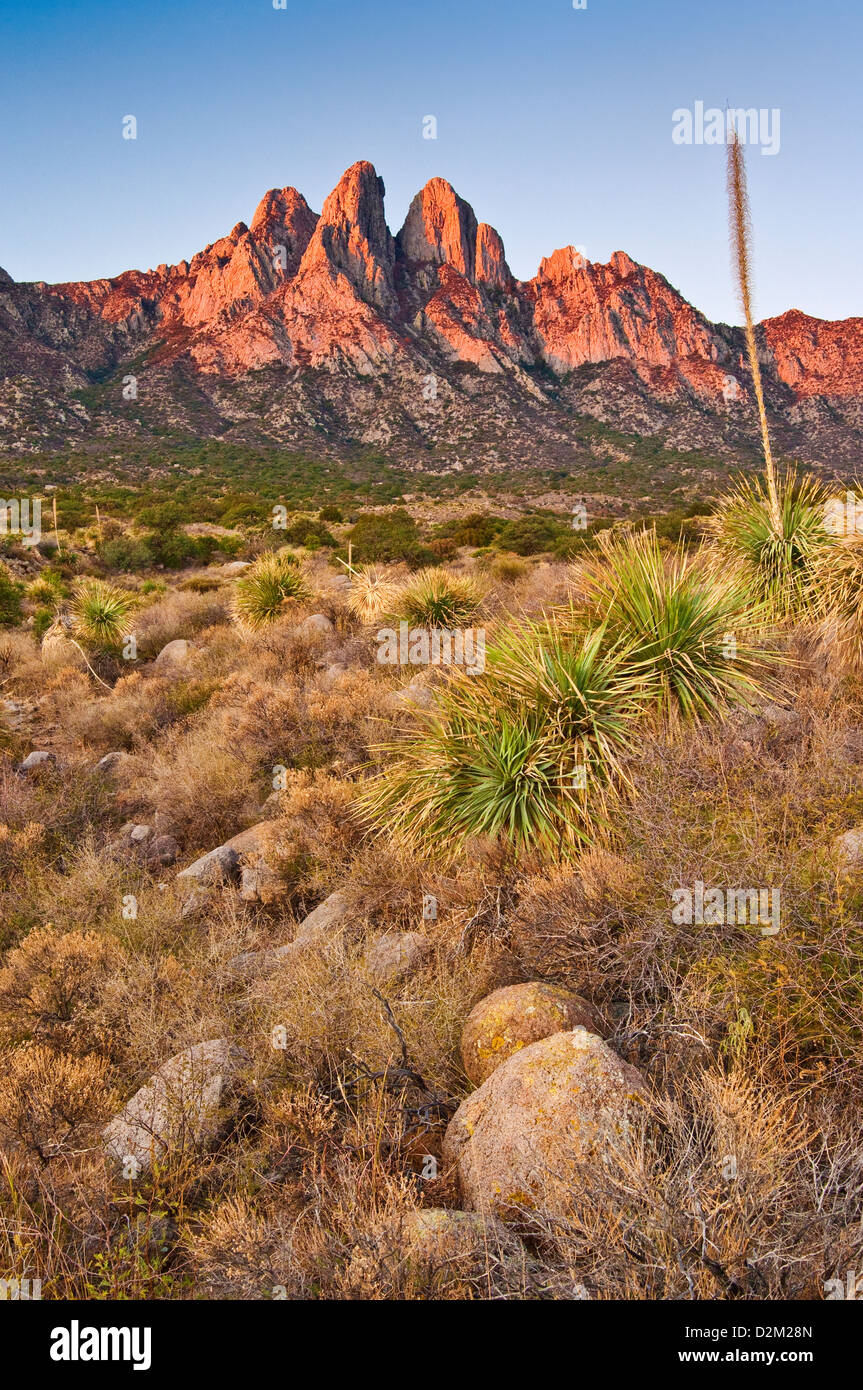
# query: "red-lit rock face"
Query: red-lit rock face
298,289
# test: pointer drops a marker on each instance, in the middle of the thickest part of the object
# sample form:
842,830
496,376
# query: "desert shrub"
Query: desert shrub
126,554
47,1099
202,584
434,598
42,620
49,588
174,549
373,591
52,988
529,752
330,514
309,533
387,537
443,548
10,599
178,614
506,569
529,535
263,592
476,530
838,598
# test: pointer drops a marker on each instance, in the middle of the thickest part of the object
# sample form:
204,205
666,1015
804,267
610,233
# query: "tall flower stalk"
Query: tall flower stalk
741,243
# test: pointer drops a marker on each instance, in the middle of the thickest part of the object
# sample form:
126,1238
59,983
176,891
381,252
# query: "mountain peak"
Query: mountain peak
352,237
441,228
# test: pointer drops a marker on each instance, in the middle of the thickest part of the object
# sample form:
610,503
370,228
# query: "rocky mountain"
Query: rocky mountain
303,328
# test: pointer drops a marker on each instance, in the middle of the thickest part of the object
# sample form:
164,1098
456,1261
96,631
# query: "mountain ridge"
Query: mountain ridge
342,312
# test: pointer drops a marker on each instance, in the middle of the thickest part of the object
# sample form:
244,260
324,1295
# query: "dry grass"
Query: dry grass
751,1045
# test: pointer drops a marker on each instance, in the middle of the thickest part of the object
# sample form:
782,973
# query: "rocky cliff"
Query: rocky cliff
303,325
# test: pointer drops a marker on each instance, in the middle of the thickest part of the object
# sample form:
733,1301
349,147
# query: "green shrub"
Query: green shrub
309,533
529,753
10,599
382,537
778,568
530,535
174,549
125,554
42,620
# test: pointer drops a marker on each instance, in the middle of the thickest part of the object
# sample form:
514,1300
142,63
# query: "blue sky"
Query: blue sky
555,123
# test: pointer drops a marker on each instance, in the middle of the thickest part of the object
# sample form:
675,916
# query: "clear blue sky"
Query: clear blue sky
554,123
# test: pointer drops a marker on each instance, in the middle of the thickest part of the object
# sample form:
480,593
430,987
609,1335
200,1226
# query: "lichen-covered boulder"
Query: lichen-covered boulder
552,1107
395,956
516,1016
174,654
185,1105
221,865
326,919
848,848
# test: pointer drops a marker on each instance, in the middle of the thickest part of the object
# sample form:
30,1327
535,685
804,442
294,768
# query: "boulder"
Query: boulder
326,919
414,695
397,955
162,849
139,833
176,653
514,1017
38,758
185,1105
848,848
221,865
234,567
261,884
249,842
316,625
197,902
253,965
548,1110
111,762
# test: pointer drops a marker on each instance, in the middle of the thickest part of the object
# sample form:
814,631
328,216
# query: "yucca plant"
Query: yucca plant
838,601
777,565
99,610
263,592
46,589
373,591
532,752
775,527
741,243
685,629
435,598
